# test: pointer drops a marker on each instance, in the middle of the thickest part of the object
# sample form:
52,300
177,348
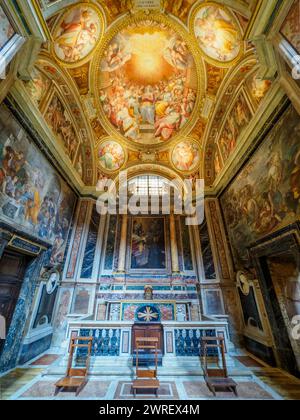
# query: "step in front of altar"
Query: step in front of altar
124,367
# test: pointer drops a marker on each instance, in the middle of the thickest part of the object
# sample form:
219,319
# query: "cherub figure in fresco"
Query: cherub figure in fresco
176,54
216,33
116,55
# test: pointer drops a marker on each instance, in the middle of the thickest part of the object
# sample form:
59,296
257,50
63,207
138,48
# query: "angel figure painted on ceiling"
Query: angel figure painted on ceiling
148,82
217,33
111,156
77,34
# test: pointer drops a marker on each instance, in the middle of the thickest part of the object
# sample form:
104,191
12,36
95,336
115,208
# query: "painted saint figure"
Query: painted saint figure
77,34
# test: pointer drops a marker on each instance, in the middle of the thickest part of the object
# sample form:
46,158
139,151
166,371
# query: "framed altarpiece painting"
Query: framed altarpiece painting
147,245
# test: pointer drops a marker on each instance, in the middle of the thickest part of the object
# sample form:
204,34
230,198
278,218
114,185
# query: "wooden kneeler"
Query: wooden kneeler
146,379
76,379
217,378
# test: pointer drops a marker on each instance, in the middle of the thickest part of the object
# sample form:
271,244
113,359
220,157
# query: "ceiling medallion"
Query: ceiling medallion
218,34
111,156
185,156
146,80
77,34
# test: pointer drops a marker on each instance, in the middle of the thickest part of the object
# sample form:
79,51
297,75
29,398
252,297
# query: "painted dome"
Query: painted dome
148,82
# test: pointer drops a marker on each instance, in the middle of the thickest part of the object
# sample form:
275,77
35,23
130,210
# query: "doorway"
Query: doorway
12,271
281,275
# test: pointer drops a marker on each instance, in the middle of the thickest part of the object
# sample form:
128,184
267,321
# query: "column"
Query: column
123,243
174,248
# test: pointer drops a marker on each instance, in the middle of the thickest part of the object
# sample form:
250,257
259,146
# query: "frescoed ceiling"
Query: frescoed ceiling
173,87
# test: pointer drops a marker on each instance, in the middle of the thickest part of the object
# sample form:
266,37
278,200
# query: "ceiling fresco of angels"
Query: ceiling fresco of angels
217,33
148,83
77,34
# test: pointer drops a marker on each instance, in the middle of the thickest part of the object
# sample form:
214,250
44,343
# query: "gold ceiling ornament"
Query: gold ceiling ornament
77,34
111,156
185,156
129,21
219,35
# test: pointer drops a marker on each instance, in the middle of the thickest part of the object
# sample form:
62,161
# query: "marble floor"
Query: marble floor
33,383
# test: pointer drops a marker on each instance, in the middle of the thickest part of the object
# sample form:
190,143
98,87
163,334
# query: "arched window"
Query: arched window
148,185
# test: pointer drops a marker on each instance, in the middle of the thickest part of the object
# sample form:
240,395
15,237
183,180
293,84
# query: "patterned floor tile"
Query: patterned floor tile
246,390
167,391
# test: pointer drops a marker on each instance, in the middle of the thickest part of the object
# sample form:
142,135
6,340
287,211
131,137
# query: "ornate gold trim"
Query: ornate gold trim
41,247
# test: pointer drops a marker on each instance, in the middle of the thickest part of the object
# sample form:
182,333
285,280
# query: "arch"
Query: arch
46,64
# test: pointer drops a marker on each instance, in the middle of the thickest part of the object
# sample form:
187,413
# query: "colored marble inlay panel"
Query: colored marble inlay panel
77,240
207,255
186,246
188,342
125,343
90,250
110,244
169,339
106,342
166,310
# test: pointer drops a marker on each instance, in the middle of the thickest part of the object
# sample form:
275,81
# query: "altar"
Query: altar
147,330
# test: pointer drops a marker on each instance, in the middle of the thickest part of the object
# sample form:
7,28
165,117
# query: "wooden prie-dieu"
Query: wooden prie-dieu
76,378
148,330
146,378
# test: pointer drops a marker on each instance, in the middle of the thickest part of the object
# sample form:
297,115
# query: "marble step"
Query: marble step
123,367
